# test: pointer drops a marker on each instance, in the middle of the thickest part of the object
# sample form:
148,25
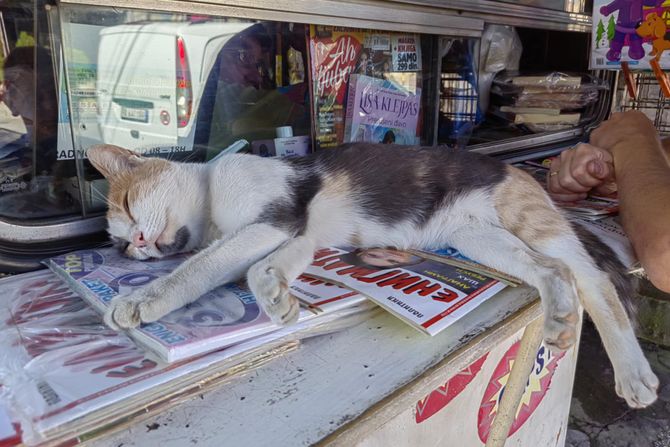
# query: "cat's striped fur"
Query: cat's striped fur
265,217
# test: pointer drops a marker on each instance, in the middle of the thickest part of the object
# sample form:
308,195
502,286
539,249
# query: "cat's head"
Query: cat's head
156,207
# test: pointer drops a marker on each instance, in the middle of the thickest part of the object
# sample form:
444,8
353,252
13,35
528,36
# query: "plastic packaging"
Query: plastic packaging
500,50
545,101
65,375
565,91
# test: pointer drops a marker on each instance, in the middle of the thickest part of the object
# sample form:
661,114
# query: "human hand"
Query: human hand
626,133
578,170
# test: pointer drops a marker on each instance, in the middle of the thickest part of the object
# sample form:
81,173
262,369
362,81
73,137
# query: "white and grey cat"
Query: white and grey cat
264,217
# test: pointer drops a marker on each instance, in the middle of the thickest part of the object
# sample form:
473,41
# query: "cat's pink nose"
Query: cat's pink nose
138,240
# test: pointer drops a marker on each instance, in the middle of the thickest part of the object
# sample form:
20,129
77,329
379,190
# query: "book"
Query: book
379,111
555,82
426,294
533,110
222,317
336,52
540,118
68,378
632,32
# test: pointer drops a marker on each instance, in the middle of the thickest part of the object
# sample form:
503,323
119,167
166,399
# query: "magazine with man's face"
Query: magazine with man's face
427,294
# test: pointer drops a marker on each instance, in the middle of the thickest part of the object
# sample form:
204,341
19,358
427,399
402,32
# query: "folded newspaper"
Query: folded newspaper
222,317
427,294
66,377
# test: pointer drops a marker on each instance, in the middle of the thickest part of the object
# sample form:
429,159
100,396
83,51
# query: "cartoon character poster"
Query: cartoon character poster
633,31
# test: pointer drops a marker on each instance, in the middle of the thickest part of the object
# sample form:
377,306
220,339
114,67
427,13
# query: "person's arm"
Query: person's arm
665,142
642,174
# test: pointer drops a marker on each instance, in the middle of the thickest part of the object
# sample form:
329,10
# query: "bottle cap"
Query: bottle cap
284,132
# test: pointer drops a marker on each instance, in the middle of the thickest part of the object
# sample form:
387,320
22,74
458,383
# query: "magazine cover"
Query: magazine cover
67,377
379,111
335,53
322,295
632,31
451,256
222,317
426,294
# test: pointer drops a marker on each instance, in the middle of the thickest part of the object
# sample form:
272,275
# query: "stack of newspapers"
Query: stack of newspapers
65,377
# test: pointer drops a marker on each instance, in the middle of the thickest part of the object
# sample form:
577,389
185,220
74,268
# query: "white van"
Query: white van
151,79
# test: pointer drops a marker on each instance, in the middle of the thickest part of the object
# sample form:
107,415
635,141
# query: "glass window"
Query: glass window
34,182
188,87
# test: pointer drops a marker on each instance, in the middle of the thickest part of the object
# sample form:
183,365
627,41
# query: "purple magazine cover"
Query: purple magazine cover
379,111
224,316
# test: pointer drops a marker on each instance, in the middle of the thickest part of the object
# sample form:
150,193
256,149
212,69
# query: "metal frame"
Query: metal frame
44,232
374,14
572,18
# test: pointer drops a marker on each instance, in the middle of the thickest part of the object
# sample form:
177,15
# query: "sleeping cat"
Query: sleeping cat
264,217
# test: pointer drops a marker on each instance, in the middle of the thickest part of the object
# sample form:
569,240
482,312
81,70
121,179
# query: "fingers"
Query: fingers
577,171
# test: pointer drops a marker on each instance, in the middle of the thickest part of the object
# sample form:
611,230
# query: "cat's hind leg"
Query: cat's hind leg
634,378
270,277
500,249
526,211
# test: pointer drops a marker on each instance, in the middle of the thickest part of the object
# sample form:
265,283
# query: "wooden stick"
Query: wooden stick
630,80
661,77
516,385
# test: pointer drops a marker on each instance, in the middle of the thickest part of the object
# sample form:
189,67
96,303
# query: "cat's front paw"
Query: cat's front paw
132,310
637,383
272,294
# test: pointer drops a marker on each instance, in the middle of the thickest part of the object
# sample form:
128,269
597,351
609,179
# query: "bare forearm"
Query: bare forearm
666,145
643,179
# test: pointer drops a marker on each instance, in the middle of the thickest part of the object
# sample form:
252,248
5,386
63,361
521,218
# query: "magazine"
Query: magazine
222,317
323,296
633,32
67,377
379,111
335,53
426,294
453,257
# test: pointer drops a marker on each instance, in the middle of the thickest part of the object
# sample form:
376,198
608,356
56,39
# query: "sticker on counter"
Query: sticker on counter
536,388
442,395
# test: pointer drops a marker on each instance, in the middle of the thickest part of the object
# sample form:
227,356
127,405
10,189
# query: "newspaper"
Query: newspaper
426,294
67,377
222,317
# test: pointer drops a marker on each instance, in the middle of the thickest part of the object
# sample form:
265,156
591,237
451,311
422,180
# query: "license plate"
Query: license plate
130,114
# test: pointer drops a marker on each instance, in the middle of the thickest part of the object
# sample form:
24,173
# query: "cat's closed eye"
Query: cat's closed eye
126,207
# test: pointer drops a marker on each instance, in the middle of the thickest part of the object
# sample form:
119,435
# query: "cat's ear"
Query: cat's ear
113,160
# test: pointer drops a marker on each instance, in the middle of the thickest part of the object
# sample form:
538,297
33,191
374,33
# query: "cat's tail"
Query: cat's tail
607,260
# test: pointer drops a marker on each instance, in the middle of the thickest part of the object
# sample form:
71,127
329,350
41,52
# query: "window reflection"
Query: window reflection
33,184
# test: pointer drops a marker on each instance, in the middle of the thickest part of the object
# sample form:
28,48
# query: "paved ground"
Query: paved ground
599,418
